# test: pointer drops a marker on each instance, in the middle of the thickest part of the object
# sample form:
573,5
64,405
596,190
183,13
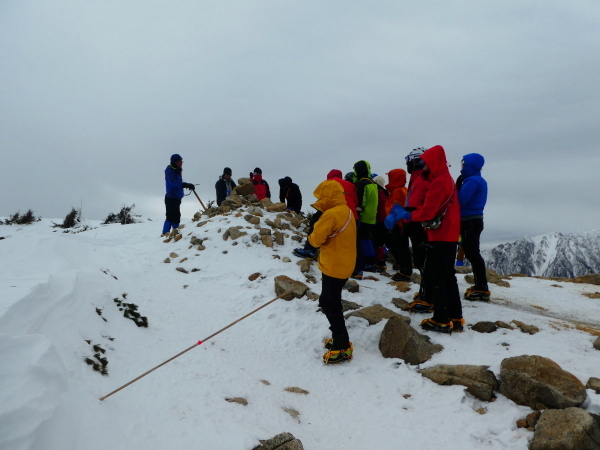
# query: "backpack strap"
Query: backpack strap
350,217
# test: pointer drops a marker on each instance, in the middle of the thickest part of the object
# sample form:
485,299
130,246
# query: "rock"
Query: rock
292,412
313,295
265,382
532,419
267,241
522,423
254,276
296,222
265,232
273,224
224,208
402,286
593,278
415,278
304,265
240,400
286,259
539,383
284,283
504,325
479,381
233,201
201,224
173,255
244,181
596,343
167,261
399,303
244,189
463,269
569,429
181,269
225,234
376,313
234,232
400,340
252,219
255,211
352,286
484,327
252,198
283,441
350,306
296,390
492,277
594,384
297,239
277,207
279,239
197,215
529,329
178,237
200,248
310,278
265,202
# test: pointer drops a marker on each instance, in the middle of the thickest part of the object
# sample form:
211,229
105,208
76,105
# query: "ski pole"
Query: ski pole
193,346
194,190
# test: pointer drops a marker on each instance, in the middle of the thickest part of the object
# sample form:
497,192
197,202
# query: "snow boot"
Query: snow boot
401,277
458,324
478,295
338,356
303,253
420,306
357,275
434,325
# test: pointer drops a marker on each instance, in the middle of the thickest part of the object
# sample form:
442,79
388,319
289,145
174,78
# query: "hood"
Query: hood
473,162
329,194
334,174
397,179
362,169
285,182
257,178
435,158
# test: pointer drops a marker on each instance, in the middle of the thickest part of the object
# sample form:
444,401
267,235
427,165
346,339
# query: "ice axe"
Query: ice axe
198,197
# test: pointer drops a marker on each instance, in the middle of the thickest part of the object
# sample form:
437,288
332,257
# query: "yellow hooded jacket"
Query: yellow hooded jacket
335,232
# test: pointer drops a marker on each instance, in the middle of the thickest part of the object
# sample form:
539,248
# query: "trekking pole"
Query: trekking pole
194,190
193,346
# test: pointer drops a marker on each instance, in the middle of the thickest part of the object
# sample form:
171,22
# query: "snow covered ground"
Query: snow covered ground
57,292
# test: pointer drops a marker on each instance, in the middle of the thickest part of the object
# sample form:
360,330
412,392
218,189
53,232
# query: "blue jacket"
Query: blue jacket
473,193
173,182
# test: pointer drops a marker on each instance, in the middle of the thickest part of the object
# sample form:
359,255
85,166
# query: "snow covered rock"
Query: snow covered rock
284,283
376,313
539,383
400,340
283,441
479,381
484,327
568,429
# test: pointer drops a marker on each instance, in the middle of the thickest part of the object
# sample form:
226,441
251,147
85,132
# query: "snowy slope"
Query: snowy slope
52,283
548,255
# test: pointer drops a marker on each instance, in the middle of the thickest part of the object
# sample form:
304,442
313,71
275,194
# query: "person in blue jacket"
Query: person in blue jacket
175,186
472,196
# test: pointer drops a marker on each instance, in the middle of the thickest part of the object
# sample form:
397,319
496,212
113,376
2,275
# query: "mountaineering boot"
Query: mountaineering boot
328,344
433,325
458,324
304,253
400,277
357,275
381,267
420,306
338,356
478,295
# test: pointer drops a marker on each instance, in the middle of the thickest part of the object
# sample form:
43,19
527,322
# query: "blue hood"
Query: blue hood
473,162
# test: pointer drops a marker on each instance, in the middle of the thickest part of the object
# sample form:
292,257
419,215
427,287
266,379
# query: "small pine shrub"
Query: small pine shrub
71,220
18,219
124,217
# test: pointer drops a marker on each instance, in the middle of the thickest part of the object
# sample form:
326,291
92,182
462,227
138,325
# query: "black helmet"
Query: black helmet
414,161
349,177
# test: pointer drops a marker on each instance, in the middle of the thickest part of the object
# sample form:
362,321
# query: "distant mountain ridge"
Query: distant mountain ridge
549,255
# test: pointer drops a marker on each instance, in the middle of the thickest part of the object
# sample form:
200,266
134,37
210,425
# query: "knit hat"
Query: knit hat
227,171
257,171
380,181
176,157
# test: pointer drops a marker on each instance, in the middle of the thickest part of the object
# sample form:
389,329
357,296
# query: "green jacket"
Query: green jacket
366,191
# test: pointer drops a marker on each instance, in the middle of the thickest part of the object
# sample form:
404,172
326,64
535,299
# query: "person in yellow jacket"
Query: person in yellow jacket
335,234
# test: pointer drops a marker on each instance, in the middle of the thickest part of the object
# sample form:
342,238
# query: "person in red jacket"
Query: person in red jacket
380,234
396,241
440,214
261,187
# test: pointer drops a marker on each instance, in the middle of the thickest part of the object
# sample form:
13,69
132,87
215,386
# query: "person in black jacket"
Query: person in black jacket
290,192
224,186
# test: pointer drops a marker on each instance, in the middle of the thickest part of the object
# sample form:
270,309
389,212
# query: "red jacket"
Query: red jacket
349,190
382,196
417,189
441,196
397,190
261,187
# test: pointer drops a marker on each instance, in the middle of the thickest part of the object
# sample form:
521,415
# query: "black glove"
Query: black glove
459,182
188,186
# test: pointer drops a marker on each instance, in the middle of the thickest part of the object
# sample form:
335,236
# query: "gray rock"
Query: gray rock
244,189
233,201
539,383
479,381
568,429
349,306
484,327
529,329
400,340
276,207
376,313
304,265
265,202
594,384
399,303
284,283
297,238
283,441
286,259
352,286
596,343
234,233
279,239
504,325
265,232
252,219
313,295
267,240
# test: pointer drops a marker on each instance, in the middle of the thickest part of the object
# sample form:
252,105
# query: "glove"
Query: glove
397,213
459,182
188,186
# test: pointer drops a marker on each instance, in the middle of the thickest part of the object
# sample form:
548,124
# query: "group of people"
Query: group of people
359,218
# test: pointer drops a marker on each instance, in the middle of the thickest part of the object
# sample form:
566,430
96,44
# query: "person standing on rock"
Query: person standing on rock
368,198
472,196
335,234
261,187
290,193
440,216
174,186
396,241
224,186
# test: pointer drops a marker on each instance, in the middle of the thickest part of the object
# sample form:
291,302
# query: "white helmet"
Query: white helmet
416,153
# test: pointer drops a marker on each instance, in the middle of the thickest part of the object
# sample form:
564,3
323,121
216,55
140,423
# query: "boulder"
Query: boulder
252,219
244,189
252,199
349,306
479,381
267,240
233,201
399,303
596,343
400,340
352,286
234,233
529,329
279,239
265,202
484,327
277,207
224,209
283,441
173,255
167,261
539,383
376,313
284,283
244,181
296,222
568,429
594,384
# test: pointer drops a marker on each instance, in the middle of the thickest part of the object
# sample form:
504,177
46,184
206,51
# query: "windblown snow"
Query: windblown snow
57,308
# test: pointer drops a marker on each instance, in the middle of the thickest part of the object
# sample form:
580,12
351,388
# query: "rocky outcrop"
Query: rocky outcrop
283,441
376,313
284,283
539,383
400,340
568,429
479,381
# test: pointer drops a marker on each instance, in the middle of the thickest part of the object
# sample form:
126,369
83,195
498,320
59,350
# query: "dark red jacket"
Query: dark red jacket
261,187
441,196
349,190
382,196
417,189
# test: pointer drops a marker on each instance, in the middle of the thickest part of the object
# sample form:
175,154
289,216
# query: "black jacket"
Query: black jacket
290,192
223,188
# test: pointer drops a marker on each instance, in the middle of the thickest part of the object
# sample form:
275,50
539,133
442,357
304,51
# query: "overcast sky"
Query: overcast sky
96,95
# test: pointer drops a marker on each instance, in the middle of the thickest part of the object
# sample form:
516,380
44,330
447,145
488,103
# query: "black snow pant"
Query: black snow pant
441,280
418,240
330,302
470,231
173,213
397,244
311,226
